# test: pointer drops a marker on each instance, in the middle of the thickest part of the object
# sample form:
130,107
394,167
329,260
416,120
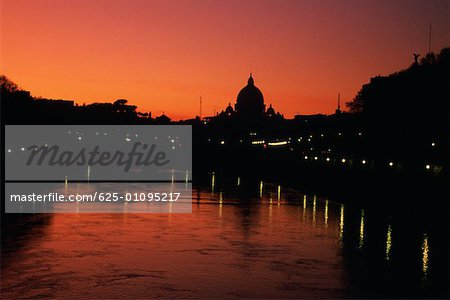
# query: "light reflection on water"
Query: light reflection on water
425,250
361,230
341,224
388,242
314,210
231,245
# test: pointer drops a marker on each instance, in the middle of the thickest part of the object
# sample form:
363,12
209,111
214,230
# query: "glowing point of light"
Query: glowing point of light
127,139
433,144
391,164
79,138
427,167
363,161
9,150
343,160
238,181
316,158
222,142
306,157
328,159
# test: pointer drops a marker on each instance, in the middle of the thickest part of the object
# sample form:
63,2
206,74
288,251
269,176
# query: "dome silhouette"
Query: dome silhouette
250,100
270,111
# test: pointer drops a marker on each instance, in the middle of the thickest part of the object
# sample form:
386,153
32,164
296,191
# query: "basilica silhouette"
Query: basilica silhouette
249,106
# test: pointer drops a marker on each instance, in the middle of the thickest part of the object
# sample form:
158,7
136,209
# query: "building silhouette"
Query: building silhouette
249,106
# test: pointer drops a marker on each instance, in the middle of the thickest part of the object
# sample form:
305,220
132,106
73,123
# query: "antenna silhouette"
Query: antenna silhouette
429,39
201,103
339,101
338,110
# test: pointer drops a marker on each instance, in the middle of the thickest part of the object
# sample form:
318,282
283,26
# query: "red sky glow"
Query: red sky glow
163,55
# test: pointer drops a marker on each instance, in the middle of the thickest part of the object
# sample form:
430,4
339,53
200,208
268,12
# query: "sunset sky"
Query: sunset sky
163,55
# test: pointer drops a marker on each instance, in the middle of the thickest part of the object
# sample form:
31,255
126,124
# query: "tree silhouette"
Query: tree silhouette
395,93
6,85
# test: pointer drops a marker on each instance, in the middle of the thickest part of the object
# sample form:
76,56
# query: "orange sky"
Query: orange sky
163,55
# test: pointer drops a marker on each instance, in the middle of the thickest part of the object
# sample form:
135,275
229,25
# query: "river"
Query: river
282,245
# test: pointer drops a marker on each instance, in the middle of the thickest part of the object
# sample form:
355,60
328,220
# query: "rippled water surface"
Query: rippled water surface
292,246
